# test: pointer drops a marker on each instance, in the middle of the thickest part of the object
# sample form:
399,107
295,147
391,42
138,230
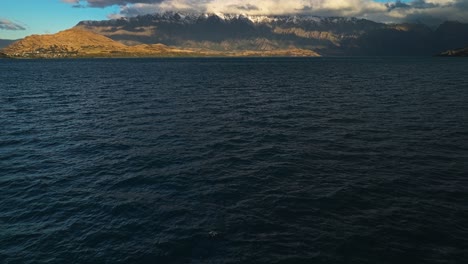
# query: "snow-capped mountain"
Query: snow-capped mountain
326,35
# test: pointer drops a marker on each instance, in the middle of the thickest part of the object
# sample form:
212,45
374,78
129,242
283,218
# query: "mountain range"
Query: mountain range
189,34
328,36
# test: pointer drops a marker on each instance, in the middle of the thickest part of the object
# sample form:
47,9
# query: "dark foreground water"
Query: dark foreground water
234,161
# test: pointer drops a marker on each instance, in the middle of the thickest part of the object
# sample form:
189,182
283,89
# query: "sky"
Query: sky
19,18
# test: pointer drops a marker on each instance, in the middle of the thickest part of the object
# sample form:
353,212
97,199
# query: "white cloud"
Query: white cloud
387,12
6,24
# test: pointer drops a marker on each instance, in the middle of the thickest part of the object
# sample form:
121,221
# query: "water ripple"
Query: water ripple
323,160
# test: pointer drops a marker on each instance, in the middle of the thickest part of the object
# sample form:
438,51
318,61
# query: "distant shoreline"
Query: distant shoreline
247,54
4,56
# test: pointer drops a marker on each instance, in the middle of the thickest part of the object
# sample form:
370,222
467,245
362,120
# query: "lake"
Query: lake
240,160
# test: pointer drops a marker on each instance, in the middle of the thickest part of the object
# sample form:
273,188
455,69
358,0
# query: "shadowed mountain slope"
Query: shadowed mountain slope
6,42
326,35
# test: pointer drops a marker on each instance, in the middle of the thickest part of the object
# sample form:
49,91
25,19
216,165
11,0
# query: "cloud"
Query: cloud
6,24
429,11
392,11
247,7
106,3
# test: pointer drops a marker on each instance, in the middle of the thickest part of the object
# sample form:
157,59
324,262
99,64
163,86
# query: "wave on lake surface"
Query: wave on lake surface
323,160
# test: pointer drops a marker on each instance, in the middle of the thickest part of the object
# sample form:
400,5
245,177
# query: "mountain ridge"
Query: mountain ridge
193,34
326,35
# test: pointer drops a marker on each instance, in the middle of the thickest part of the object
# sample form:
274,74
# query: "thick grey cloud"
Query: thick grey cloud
392,11
397,4
416,4
429,11
6,24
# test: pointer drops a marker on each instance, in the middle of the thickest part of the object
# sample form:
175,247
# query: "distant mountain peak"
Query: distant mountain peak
325,35
188,18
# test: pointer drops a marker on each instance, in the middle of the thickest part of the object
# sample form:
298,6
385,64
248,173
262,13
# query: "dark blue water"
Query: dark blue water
324,160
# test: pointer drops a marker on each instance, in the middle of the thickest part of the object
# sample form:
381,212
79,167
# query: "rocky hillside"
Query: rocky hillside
77,42
65,43
326,35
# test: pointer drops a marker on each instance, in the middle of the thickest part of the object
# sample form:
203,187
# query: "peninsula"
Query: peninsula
80,43
455,53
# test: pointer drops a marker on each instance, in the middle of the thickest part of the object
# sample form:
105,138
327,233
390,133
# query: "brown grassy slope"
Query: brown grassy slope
77,42
81,43
69,40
